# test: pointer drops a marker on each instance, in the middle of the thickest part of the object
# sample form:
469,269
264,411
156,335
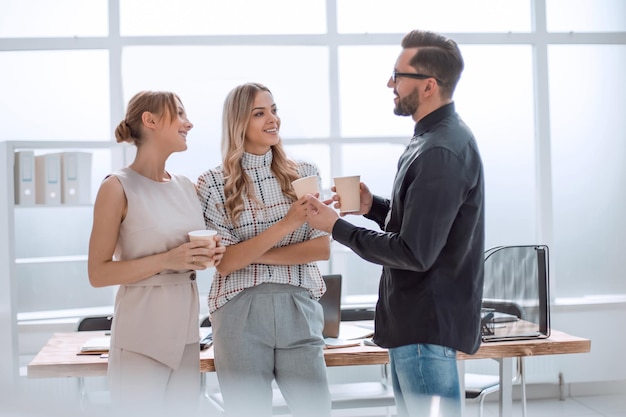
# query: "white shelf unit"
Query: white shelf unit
43,248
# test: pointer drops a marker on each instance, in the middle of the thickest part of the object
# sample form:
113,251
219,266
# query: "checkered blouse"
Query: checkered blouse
254,220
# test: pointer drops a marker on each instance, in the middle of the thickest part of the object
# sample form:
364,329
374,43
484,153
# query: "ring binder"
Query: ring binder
75,177
24,178
47,179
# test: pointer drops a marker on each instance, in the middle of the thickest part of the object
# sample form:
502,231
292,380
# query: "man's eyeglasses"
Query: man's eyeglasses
395,75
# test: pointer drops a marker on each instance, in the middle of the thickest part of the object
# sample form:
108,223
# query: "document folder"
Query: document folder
24,177
76,177
48,179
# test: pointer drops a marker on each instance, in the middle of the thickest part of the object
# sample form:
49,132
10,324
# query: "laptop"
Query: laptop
331,304
516,303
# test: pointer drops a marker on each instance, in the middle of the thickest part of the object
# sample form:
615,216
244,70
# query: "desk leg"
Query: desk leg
506,387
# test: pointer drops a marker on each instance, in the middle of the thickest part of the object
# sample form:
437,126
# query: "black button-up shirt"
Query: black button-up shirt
432,243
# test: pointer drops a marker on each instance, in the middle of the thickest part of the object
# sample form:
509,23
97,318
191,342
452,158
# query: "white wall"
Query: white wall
8,340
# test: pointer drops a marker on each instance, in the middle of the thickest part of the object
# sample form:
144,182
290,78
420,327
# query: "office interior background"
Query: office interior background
543,91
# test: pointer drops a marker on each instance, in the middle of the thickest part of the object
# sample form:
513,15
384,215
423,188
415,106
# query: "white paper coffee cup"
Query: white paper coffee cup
207,234
306,185
348,190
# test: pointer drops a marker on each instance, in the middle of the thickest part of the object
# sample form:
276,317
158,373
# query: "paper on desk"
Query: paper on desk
499,317
95,346
333,343
352,331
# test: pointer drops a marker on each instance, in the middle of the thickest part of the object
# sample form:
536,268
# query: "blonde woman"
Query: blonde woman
139,241
267,322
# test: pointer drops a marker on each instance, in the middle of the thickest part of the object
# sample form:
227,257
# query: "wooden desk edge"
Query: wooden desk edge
558,343
46,363
349,356
61,370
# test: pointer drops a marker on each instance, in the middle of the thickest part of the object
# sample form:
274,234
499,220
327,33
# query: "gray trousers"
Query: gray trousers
271,332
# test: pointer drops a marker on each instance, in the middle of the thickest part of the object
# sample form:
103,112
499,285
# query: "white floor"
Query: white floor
579,406
579,401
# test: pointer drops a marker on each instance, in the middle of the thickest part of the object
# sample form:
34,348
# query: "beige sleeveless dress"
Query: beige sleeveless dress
157,316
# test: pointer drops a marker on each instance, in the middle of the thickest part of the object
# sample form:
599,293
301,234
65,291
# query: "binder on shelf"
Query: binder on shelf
24,178
48,179
75,177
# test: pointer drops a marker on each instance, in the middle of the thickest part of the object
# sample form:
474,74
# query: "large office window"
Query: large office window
54,95
40,19
220,17
543,92
203,75
588,133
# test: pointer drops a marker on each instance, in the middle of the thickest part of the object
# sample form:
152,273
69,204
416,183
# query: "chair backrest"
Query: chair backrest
205,322
331,303
506,307
517,283
358,314
91,323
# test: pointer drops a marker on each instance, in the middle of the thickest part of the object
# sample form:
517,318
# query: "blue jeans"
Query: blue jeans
425,381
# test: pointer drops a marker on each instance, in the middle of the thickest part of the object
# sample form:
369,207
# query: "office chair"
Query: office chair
516,283
358,314
93,323
478,386
205,322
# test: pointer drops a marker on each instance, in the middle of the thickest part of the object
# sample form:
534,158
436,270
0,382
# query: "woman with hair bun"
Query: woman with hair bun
142,215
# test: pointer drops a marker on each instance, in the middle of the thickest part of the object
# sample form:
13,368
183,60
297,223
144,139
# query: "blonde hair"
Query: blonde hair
160,103
236,115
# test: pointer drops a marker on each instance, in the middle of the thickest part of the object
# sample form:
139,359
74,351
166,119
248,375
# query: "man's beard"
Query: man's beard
407,106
